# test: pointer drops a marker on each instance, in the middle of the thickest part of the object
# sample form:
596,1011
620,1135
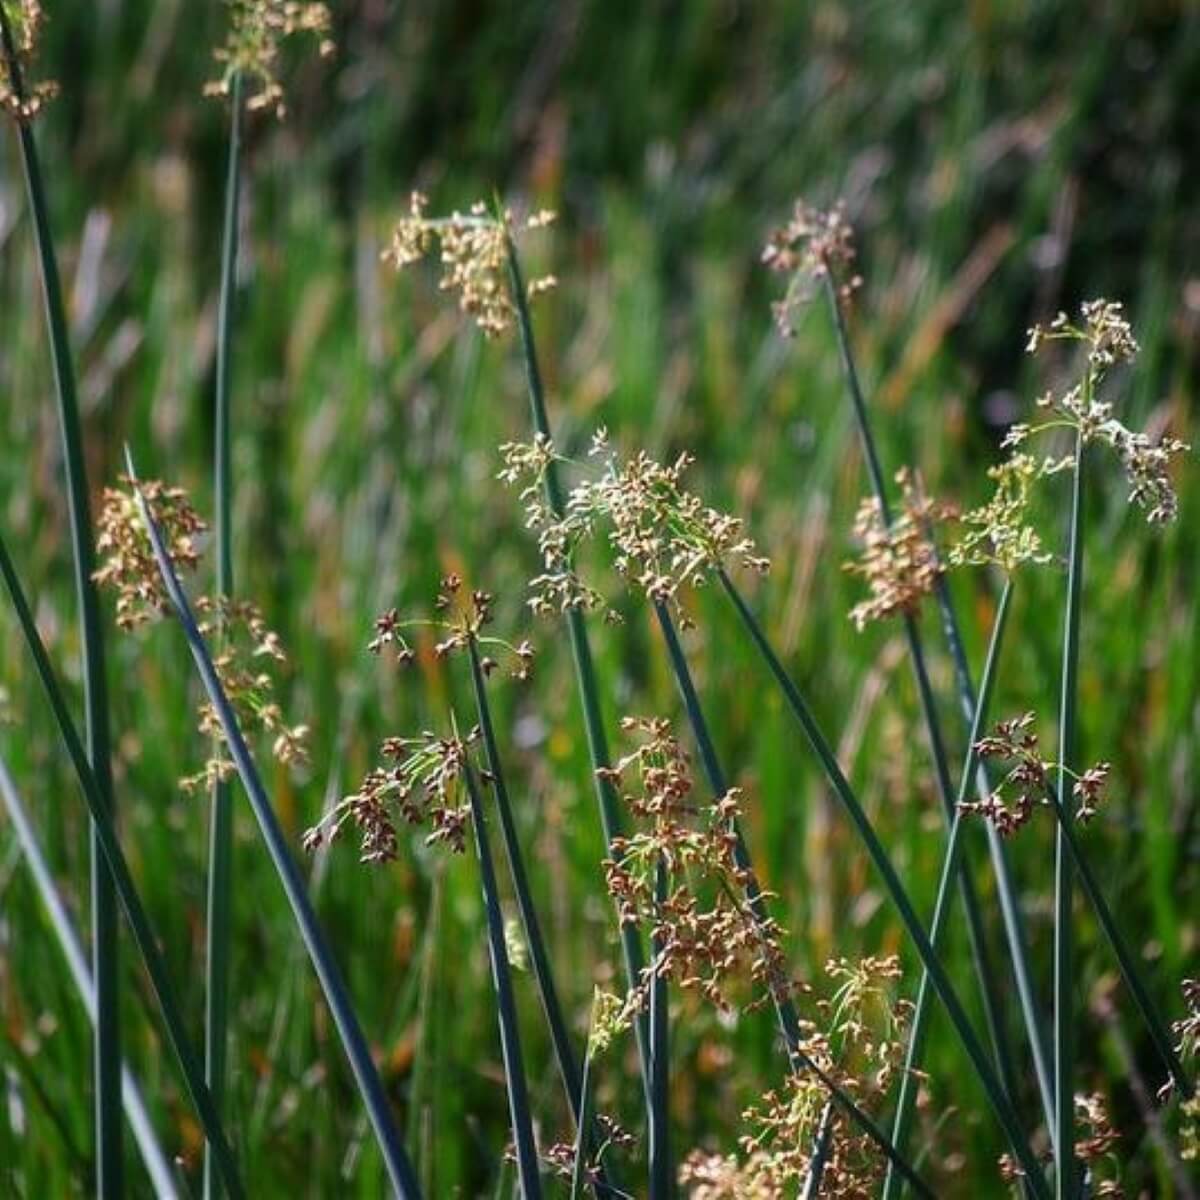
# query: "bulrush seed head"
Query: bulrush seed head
900,564
19,97
474,258
257,30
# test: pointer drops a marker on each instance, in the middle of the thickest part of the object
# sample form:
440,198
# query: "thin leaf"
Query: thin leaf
660,1050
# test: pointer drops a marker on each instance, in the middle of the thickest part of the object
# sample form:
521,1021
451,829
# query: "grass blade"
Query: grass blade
365,1074
107,1035
585,672
506,1009
660,1062
539,958
1066,1182
220,846
902,1121
123,880
784,1009
997,1097
153,1156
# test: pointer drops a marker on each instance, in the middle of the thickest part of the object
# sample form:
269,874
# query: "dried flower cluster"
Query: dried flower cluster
663,537
257,30
1187,1030
999,531
244,645
813,246
900,563
422,785
474,258
1095,1140
462,618
128,565
1109,340
20,98
1028,784
861,1045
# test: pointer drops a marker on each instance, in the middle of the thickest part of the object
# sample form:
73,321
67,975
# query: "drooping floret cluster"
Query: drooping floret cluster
20,97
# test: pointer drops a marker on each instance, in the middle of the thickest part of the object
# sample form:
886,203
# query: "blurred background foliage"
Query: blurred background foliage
999,161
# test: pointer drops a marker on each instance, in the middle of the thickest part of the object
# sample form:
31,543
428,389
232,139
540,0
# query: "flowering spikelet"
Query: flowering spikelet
474,258
1187,1030
663,537
900,563
1108,341
257,29
814,245
1028,784
1095,1140
20,98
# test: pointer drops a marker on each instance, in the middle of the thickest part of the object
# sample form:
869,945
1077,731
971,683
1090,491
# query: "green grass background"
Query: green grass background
999,160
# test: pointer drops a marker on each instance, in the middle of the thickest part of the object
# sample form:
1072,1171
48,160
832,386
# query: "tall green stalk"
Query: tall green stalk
660,1062
993,1087
531,924
585,672
909,1082
980,955
506,1008
107,1036
122,878
366,1075
220,846
1066,1176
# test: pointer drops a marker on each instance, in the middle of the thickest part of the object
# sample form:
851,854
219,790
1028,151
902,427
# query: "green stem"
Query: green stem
107,1034
510,1037
122,878
583,1122
994,1089
539,957
366,1075
660,1068
585,672
909,1082
220,847
1066,1178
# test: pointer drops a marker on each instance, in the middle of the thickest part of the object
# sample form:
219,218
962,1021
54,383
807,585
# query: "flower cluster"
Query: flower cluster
1187,1030
1095,1140
663,537
128,565
1028,784
899,562
19,98
244,645
999,531
709,939
813,246
1108,339
257,29
461,621
474,258
422,785
860,1043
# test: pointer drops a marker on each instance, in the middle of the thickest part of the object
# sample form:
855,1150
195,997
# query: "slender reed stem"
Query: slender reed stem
122,878
997,1097
107,1034
902,1121
660,1077
157,1167
506,1009
585,672
538,955
980,955
784,1009
1066,1177
220,845
366,1076
583,1122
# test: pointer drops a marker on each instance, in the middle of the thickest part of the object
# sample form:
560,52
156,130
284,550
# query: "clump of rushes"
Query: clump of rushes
1028,784
1108,341
129,570
474,256
857,1037
19,97
257,30
663,537
899,562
